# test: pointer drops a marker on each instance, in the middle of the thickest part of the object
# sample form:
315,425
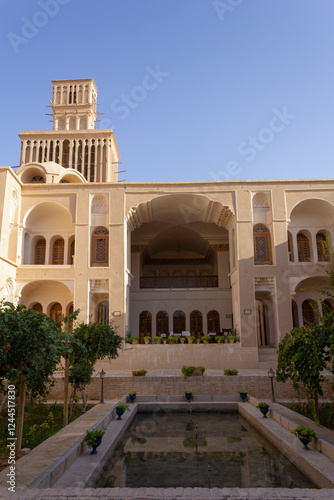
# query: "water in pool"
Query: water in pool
214,450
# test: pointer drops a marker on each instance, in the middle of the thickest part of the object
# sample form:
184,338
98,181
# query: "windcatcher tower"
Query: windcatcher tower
74,143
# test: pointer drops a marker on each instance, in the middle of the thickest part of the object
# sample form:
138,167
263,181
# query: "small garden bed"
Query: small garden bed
41,421
326,412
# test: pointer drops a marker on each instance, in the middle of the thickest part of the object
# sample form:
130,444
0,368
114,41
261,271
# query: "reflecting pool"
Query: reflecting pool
214,450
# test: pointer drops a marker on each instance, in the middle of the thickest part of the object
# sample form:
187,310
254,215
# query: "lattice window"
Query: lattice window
196,322
103,312
162,322
213,322
303,245
308,312
179,322
56,312
262,249
58,252
37,179
100,246
322,248
145,325
38,307
40,251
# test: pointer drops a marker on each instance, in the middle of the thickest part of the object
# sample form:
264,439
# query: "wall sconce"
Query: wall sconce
247,312
116,313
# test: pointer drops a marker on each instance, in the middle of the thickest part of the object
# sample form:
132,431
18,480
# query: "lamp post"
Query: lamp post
271,375
102,375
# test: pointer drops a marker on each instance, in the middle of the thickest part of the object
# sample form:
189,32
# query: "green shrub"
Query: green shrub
304,432
231,372
188,370
139,372
172,339
262,404
123,407
90,437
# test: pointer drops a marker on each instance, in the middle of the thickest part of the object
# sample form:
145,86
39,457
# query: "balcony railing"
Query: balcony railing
179,282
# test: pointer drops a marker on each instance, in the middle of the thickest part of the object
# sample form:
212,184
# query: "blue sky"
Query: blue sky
193,89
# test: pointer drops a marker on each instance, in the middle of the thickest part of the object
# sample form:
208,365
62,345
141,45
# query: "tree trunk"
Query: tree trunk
71,405
316,408
67,367
20,416
3,404
84,400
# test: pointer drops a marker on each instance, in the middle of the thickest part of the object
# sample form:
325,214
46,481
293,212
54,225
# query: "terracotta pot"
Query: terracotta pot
190,341
197,372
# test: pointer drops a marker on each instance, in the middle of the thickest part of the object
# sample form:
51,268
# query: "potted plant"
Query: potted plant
120,409
229,372
264,408
93,439
243,395
172,340
132,396
147,339
182,340
231,338
189,371
205,339
191,339
304,434
188,395
133,340
139,373
157,339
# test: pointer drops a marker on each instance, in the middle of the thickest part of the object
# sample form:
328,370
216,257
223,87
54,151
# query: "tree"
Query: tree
30,349
302,357
100,341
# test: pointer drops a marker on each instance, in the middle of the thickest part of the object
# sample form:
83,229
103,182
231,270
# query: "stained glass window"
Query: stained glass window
303,245
262,250
162,322
38,307
213,322
196,322
100,246
308,312
58,252
179,322
55,312
40,251
145,325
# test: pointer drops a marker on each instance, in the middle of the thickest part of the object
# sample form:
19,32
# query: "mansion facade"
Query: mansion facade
198,257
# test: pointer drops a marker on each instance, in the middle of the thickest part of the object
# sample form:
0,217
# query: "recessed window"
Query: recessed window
262,249
100,245
303,245
40,252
